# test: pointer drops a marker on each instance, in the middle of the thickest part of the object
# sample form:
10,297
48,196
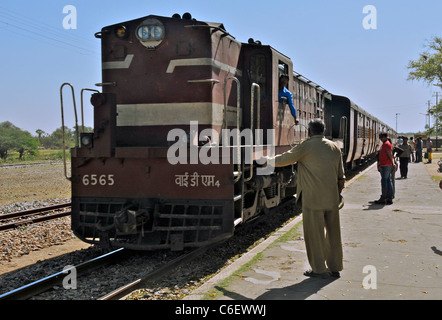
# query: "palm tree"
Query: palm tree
39,132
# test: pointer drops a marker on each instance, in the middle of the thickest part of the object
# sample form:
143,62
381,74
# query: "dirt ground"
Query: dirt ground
30,183
433,167
41,255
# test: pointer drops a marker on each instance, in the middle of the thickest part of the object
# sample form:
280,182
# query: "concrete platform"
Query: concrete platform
391,252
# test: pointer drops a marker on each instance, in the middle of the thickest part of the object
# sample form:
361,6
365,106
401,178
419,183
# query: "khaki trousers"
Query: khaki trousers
322,235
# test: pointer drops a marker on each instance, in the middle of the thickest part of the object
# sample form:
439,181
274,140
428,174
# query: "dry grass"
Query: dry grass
33,183
433,166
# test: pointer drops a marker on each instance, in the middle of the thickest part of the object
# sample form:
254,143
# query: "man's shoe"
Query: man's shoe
388,201
380,201
310,273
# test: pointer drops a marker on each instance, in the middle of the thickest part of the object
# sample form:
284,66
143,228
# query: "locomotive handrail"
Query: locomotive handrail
213,81
102,84
62,124
82,112
258,111
343,132
238,138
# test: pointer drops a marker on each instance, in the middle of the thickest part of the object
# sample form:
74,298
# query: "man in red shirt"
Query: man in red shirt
386,167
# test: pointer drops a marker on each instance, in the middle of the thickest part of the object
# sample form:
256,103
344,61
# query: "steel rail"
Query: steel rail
12,225
33,212
42,285
160,271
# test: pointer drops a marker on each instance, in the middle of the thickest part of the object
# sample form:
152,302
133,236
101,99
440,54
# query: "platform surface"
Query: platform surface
391,252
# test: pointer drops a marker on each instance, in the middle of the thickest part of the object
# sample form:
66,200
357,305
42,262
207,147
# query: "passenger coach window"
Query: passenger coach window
257,72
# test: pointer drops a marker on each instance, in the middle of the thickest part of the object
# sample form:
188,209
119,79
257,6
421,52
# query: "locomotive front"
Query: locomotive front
137,181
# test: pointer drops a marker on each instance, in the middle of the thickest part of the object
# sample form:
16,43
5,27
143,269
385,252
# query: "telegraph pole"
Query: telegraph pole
429,117
436,124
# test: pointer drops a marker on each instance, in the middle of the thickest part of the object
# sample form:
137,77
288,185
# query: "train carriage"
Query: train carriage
354,129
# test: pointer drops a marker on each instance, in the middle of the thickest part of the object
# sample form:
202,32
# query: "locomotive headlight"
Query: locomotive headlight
86,139
143,33
150,33
120,32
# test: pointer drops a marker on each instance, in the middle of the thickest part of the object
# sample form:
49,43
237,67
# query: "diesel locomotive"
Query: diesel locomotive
184,115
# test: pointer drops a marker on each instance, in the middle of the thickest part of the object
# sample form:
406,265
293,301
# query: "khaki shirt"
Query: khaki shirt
320,172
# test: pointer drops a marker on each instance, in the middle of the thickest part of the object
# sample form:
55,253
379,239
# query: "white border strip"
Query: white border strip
119,64
151,114
201,62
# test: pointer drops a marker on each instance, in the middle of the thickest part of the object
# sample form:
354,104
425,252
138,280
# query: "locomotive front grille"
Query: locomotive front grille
96,218
154,224
187,225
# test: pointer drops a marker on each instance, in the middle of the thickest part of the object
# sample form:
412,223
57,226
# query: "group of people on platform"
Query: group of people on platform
417,147
388,157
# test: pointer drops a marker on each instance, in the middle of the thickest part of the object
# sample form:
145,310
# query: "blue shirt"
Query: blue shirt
285,93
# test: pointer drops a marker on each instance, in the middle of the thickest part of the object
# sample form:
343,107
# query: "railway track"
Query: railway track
157,272
37,287
16,219
42,285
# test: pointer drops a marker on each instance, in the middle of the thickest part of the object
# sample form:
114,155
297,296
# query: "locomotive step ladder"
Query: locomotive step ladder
238,174
77,132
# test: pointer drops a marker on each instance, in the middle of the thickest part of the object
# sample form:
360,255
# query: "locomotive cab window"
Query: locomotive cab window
283,70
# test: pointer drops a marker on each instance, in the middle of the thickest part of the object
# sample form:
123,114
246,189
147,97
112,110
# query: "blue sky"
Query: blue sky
325,39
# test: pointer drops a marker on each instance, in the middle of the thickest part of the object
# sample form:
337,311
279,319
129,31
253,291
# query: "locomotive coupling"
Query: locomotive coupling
126,221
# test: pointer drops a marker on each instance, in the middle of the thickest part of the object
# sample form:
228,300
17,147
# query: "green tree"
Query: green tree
436,112
428,68
25,143
14,138
39,132
6,138
55,139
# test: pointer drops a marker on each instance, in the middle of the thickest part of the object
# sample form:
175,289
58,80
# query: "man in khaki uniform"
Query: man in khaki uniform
320,182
